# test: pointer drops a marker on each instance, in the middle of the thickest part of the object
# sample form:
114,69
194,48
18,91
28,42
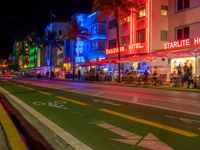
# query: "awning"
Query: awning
147,57
178,53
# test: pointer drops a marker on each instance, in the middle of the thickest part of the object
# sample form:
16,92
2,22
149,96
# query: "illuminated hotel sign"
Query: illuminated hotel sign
182,43
128,50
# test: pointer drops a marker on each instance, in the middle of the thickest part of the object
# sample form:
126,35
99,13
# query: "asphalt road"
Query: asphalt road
102,123
187,102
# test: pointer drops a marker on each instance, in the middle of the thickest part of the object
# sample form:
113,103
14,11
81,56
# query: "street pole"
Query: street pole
196,63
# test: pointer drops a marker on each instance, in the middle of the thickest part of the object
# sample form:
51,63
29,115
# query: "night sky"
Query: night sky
20,17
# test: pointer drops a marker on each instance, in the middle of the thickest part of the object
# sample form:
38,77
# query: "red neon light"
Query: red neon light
130,49
182,43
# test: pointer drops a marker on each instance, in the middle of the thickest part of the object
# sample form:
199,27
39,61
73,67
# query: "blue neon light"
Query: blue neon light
87,50
98,37
91,15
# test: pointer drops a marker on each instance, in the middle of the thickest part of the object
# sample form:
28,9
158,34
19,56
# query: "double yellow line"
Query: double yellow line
60,97
11,132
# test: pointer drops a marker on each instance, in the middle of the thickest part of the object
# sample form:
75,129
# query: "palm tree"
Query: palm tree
75,31
51,42
117,9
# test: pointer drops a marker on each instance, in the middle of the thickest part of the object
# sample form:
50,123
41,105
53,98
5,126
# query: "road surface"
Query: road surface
188,102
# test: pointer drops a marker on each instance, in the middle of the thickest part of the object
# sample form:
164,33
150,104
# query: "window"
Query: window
164,10
94,29
112,24
142,12
163,35
125,40
94,45
60,32
124,28
140,36
125,20
102,28
182,4
98,45
101,44
182,33
112,43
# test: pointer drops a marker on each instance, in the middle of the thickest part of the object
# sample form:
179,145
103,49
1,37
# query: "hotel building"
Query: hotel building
162,35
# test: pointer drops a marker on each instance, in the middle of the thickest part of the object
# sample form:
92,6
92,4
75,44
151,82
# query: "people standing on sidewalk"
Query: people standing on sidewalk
79,74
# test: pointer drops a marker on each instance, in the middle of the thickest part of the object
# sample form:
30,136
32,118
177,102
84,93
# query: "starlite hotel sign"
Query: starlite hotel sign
182,43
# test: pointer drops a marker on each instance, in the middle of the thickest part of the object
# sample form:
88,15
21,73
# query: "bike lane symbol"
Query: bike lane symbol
55,104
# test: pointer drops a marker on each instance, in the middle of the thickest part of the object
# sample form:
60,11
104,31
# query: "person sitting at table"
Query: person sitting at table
155,74
146,75
179,69
174,74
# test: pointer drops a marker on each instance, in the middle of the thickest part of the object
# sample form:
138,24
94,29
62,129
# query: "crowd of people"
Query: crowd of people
182,75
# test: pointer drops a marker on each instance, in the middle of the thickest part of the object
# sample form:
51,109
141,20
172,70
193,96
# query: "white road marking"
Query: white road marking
105,102
128,137
151,142
190,121
116,99
55,104
39,103
99,93
171,117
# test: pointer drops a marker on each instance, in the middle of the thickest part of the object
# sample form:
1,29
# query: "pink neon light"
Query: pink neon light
127,50
148,27
182,43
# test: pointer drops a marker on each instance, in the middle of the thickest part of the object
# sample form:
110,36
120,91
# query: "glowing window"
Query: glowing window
142,12
125,20
164,10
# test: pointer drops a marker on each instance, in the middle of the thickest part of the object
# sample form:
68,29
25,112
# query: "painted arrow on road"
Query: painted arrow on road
153,143
150,141
105,102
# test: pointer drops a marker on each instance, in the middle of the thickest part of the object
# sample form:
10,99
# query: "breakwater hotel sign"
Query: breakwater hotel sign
182,43
128,49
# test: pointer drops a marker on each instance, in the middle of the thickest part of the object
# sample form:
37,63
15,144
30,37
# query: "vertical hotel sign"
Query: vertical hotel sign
182,43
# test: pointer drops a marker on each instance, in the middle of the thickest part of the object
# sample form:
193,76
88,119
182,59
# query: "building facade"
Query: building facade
53,53
161,36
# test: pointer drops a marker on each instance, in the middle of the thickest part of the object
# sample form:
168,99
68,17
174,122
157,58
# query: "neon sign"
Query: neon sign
129,49
182,43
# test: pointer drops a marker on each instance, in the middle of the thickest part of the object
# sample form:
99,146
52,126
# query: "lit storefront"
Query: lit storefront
182,53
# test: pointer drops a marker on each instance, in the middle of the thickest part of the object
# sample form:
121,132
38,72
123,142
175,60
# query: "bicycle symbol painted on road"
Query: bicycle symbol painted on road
55,104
